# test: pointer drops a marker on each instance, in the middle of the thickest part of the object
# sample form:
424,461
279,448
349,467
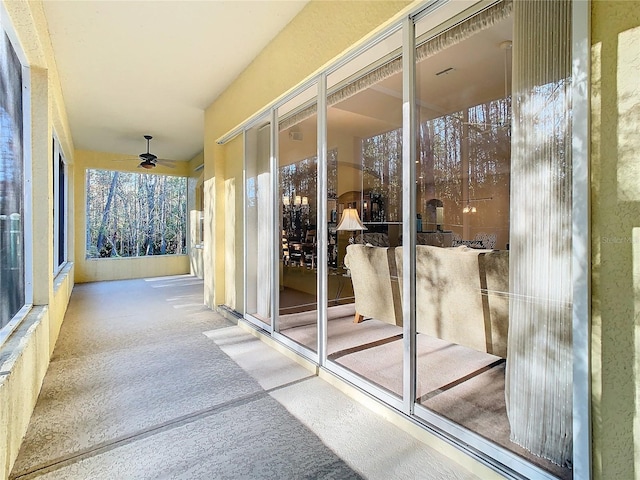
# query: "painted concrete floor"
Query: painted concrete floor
145,382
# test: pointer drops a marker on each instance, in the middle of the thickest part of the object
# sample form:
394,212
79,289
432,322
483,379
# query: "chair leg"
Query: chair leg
358,318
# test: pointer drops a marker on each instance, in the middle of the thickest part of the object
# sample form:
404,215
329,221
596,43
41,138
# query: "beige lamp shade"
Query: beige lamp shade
350,220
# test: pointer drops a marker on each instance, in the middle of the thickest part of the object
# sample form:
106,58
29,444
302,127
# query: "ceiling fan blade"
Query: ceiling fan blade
165,163
126,159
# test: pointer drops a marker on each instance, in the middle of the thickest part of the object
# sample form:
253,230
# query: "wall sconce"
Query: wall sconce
469,209
285,200
305,200
298,201
472,209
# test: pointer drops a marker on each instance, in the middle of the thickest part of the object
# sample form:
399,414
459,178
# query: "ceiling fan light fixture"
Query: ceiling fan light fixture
147,164
149,161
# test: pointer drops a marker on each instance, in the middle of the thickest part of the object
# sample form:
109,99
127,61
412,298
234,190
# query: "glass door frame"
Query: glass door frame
276,234
357,380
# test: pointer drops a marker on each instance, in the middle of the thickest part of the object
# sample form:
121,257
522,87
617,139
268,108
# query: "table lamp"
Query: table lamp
350,220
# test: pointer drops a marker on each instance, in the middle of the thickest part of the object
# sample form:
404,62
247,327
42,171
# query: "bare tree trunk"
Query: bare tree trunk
150,184
163,200
105,214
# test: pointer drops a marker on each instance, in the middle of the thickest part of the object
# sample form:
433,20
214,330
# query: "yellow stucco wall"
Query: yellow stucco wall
25,356
615,241
92,270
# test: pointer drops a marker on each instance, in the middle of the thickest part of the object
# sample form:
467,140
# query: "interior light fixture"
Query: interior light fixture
469,209
350,221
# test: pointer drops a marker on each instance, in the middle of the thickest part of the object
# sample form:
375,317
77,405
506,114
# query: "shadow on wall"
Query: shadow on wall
615,190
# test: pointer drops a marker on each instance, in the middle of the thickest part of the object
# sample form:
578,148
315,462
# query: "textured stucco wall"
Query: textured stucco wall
62,288
615,175
319,33
23,363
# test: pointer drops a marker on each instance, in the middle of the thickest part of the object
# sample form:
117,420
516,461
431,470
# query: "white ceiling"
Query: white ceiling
130,68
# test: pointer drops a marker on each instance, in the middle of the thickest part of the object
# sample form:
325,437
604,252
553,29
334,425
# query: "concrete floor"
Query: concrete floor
145,382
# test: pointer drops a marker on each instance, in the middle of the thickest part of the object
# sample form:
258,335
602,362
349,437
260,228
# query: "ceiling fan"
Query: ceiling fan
149,160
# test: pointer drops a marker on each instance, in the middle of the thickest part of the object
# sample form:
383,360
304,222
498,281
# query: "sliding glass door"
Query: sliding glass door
297,142
364,178
493,253
258,224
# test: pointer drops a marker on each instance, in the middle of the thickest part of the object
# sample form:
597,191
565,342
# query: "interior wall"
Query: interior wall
92,270
615,216
292,151
24,358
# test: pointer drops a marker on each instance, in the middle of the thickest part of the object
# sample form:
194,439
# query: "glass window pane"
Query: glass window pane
258,222
298,207
12,270
364,130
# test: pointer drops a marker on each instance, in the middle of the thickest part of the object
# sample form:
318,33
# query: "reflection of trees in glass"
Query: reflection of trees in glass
135,214
332,173
12,271
382,171
301,179
252,193
298,183
479,135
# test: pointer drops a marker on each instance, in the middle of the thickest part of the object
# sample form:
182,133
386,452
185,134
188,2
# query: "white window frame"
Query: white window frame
122,172
58,154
